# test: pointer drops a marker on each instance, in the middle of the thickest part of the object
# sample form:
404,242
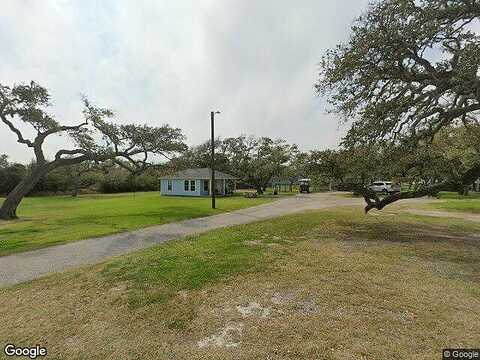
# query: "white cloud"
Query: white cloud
174,61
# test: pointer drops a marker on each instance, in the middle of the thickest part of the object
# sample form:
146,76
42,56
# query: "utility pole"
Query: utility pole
212,180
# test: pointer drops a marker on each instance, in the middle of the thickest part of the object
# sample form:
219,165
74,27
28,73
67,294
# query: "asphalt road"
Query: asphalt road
30,265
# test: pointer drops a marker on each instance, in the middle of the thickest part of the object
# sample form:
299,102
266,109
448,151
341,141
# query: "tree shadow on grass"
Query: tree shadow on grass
425,241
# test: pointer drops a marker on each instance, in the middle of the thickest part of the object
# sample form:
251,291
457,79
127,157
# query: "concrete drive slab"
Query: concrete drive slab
30,265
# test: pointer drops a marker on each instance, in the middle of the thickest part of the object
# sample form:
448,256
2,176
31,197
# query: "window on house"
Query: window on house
192,185
205,185
185,185
169,185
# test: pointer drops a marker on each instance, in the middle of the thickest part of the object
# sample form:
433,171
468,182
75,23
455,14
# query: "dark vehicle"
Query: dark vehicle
304,185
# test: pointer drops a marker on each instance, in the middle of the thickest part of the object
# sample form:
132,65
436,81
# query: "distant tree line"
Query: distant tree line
256,160
78,179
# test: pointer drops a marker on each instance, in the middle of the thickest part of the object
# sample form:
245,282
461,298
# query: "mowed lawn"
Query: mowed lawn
331,284
46,221
454,202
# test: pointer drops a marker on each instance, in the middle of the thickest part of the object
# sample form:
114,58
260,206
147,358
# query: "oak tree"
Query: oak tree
409,69
256,160
94,138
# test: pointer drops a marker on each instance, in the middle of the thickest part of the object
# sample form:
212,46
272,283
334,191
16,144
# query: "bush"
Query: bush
10,176
119,180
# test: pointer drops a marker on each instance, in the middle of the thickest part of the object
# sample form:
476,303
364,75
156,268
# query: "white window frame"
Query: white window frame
193,185
169,185
186,185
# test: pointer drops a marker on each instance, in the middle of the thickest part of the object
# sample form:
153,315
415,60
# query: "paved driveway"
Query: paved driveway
29,265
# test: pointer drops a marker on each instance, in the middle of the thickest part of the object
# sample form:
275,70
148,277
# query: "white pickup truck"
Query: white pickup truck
386,187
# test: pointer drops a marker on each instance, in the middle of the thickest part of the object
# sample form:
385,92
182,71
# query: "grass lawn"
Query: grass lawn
46,221
332,284
453,195
454,202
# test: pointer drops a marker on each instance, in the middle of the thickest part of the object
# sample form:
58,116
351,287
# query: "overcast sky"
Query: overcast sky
173,61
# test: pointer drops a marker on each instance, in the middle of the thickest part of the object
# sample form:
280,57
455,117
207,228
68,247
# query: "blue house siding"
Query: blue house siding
201,180
178,187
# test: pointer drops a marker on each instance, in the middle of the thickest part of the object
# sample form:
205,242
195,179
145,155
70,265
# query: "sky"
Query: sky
174,61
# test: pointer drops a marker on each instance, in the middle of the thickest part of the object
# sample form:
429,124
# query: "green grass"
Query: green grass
456,196
201,260
347,285
466,205
204,259
455,202
186,265
46,221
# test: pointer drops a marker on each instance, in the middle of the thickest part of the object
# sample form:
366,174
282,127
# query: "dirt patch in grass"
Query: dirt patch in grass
253,309
336,285
226,338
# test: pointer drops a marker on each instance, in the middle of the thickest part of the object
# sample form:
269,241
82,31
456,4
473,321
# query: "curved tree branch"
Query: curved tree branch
17,132
374,201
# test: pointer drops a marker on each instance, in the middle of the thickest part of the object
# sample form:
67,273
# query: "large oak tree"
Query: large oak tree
257,160
95,138
409,69
252,159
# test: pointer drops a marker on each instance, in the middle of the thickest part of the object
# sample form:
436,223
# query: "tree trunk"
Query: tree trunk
463,190
8,211
76,185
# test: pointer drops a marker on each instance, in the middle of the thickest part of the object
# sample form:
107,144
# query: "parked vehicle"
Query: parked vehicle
386,187
304,185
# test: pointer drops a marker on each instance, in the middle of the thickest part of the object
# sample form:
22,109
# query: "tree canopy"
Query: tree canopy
256,160
409,69
94,138
252,159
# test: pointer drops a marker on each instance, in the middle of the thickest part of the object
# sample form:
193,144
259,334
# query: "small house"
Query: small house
197,182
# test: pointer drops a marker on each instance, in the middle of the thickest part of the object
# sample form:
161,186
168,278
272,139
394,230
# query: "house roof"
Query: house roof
201,173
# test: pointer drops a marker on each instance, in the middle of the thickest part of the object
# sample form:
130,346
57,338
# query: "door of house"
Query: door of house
206,186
